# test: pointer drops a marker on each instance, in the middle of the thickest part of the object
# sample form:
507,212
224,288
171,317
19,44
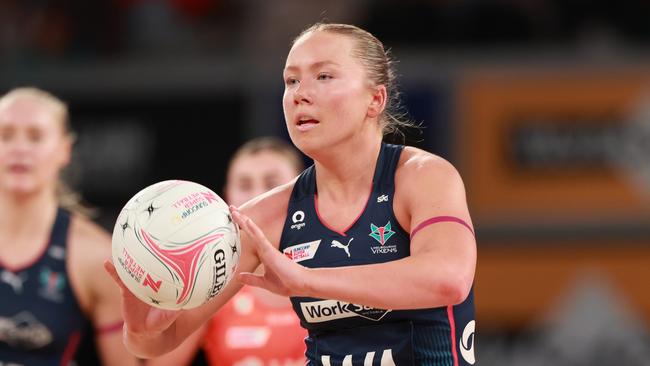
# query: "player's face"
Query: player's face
254,174
33,147
327,93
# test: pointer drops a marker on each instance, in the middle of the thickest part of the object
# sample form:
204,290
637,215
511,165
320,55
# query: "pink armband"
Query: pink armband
437,219
109,328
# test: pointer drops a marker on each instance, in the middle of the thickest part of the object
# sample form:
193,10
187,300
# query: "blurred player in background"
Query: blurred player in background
256,327
50,253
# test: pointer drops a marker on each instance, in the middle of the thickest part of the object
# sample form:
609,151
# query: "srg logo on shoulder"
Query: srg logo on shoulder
57,252
302,252
298,219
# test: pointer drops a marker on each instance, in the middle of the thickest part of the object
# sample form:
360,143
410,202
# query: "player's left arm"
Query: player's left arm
429,202
443,243
102,295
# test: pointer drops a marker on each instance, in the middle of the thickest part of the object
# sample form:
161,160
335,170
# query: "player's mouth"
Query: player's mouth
306,123
18,168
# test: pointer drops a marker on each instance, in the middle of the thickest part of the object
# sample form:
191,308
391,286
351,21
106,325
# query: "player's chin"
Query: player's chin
20,187
307,144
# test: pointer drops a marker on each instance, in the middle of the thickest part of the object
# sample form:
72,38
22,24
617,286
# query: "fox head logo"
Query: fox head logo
381,233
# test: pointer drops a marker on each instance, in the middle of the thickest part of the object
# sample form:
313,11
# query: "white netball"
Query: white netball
175,245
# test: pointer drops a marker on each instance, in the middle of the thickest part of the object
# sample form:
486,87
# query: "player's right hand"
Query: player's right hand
141,321
281,275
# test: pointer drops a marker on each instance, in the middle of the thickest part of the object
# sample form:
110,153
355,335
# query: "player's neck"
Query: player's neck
348,170
25,214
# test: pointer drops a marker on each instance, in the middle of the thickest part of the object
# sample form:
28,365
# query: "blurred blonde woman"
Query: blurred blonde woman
51,282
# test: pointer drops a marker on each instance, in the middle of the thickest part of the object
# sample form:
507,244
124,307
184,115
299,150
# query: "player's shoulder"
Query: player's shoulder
88,241
422,176
89,245
421,164
83,229
270,208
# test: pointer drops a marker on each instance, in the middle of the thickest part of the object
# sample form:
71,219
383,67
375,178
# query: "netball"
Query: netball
175,245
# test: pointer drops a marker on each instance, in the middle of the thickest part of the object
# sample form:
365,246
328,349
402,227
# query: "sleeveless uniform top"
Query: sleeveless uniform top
40,319
246,331
345,334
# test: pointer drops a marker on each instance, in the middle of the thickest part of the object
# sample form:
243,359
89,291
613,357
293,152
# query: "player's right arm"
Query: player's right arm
184,353
149,332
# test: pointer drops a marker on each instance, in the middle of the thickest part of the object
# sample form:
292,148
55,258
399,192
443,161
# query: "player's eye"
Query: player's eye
290,81
35,135
271,182
6,134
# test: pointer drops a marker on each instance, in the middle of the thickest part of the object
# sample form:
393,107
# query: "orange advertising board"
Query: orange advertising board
558,145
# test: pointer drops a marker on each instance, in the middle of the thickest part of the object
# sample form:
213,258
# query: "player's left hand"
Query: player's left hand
281,275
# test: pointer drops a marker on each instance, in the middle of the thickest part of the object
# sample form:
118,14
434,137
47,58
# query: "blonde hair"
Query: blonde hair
66,196
272,144
380,69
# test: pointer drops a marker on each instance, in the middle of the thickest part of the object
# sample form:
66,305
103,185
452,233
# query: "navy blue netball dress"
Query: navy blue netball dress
40,319
345,334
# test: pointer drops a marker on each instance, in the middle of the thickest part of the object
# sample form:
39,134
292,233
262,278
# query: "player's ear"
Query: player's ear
378,101
65,152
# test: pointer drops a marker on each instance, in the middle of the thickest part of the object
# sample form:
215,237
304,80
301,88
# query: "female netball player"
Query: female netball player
256,327
49,255
373,243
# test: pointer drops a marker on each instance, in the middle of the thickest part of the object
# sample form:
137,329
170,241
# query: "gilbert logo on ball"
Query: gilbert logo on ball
175,245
